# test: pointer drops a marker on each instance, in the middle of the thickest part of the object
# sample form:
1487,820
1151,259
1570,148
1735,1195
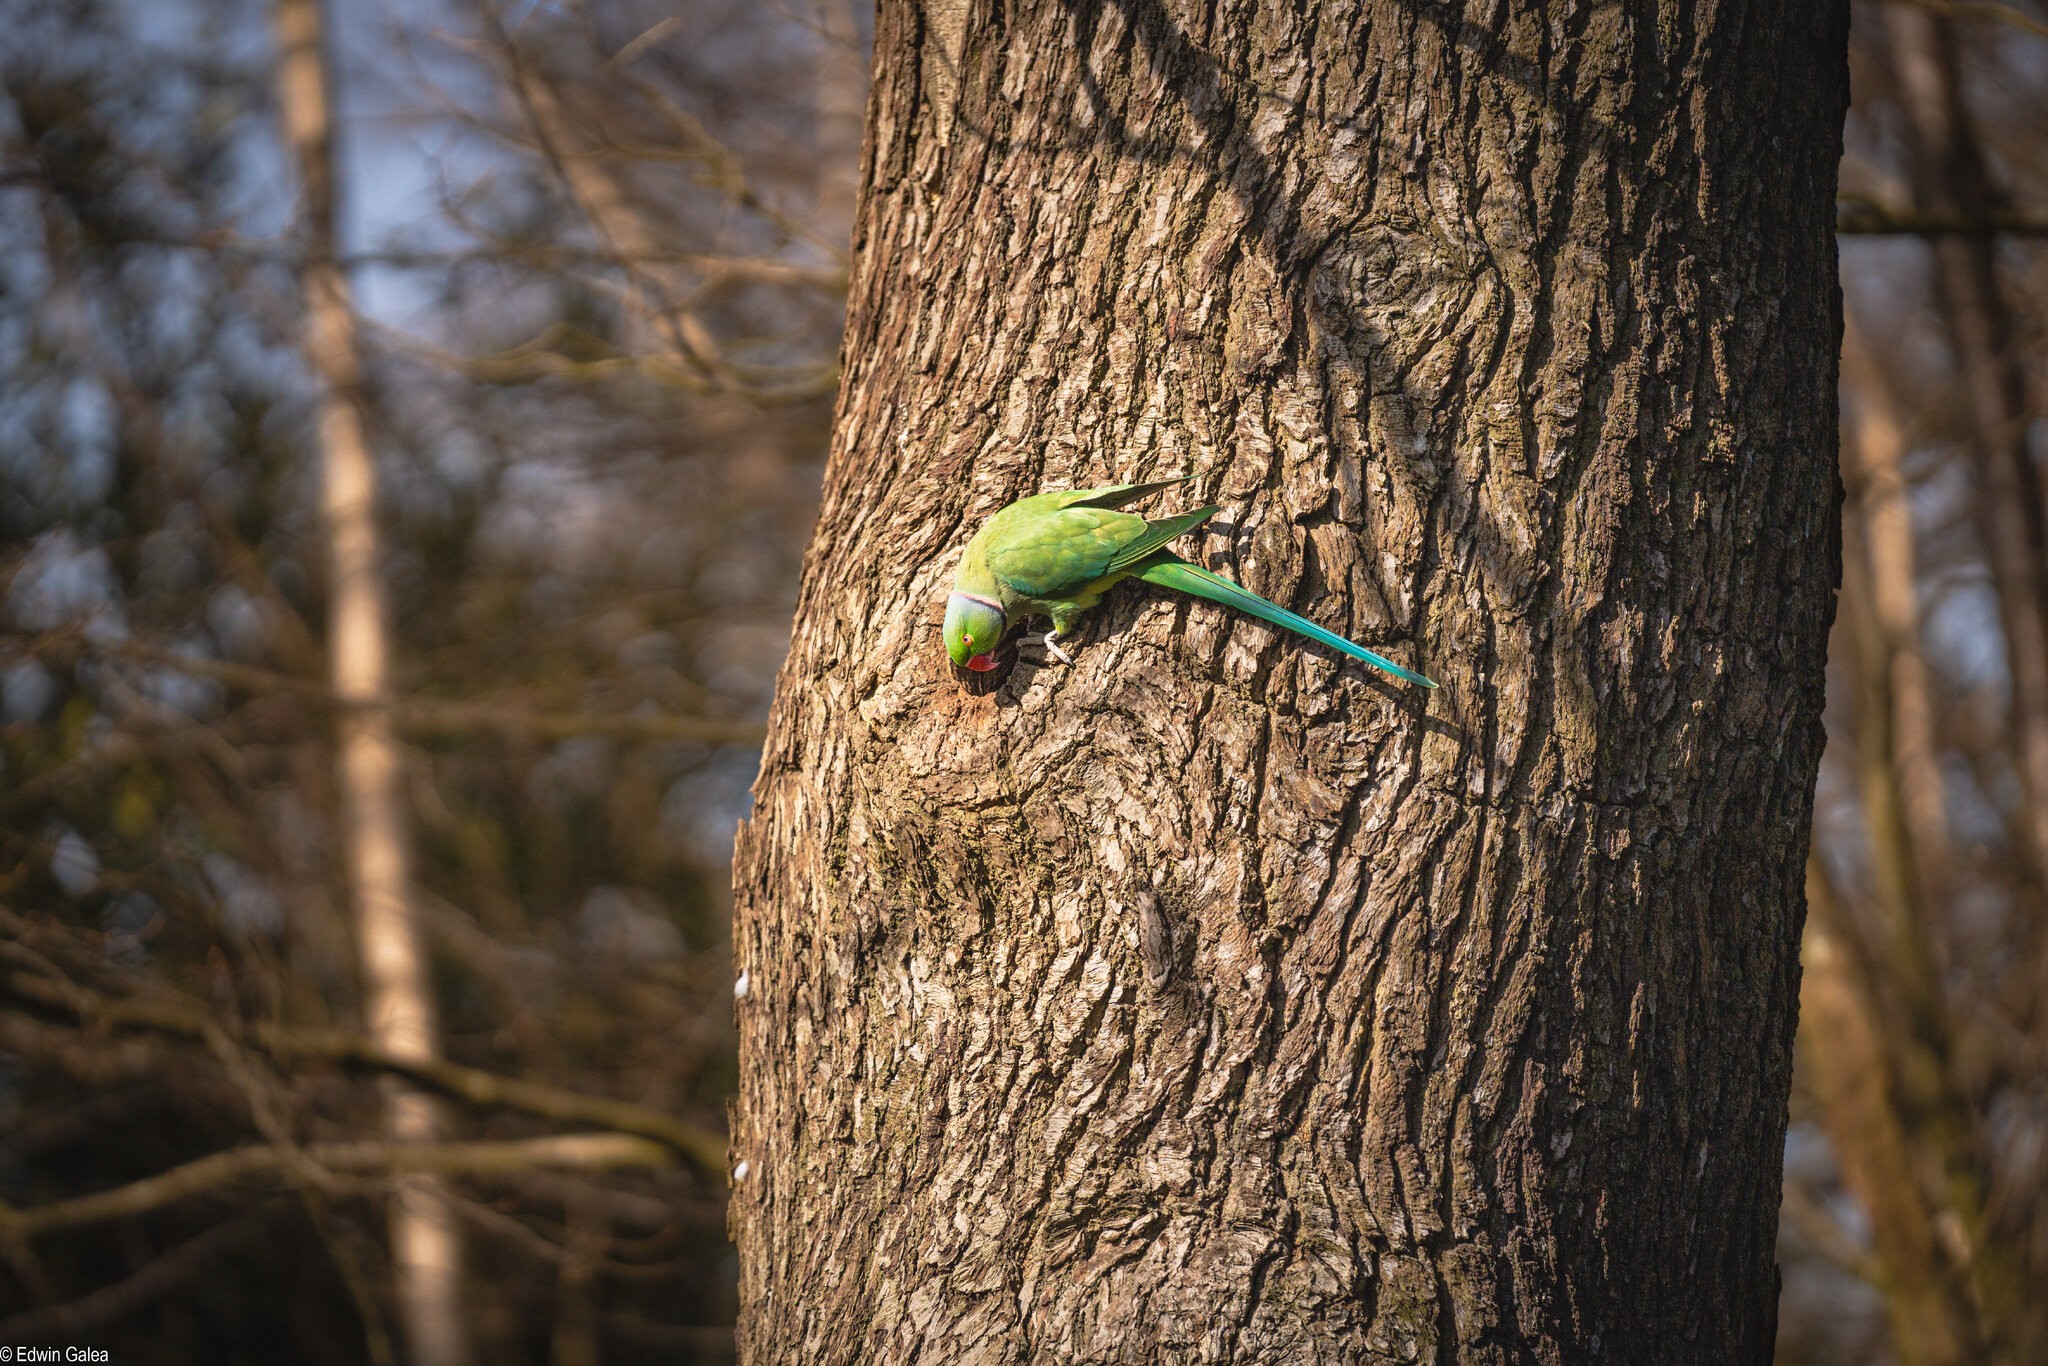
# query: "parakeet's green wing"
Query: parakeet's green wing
1056,554
1052,555
1160,533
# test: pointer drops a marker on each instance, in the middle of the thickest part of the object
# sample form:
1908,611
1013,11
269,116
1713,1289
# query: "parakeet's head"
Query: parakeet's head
973,626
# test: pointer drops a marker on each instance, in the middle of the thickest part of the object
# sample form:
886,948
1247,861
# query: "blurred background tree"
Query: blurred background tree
596,253
597,269
1916,1198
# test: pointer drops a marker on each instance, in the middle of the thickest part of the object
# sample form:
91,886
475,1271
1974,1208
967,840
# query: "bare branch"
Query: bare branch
496,250
157,1278
632,51
1861,218
704,1149
262,1162
1806,1214
421,717
428,716
535,360
1986,10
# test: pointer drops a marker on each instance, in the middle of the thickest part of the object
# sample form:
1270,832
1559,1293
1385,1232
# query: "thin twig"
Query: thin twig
1859,216
1826,1235
1987,10
497,251
258,1162
705,1150
424,716
159,1277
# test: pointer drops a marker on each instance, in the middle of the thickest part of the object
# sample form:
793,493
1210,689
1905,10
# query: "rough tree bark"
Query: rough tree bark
1208,1001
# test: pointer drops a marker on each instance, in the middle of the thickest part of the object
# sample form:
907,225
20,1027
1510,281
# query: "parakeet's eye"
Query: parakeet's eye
966,638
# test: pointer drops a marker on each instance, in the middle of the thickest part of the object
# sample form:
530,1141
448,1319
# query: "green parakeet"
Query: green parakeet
1055,555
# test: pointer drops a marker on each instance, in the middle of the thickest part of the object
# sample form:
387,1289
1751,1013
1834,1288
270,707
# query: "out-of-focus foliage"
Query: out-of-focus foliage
600,267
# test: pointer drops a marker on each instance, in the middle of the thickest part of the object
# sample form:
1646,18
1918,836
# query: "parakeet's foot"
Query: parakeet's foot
1052,647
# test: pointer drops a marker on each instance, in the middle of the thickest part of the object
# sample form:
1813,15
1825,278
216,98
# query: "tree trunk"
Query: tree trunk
842,96
1879,500
1853,1067
1208,1000
1991,373
398,1005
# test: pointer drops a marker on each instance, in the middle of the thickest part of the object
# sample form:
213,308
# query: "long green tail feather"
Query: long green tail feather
1169,571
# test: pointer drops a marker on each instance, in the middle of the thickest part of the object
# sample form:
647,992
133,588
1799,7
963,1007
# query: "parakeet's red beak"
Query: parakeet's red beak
981,664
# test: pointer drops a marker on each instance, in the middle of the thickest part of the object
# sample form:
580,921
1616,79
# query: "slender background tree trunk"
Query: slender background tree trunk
1208,1001
1991,375
398,1005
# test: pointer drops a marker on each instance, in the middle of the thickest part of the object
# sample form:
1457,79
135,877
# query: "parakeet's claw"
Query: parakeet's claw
1052,647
